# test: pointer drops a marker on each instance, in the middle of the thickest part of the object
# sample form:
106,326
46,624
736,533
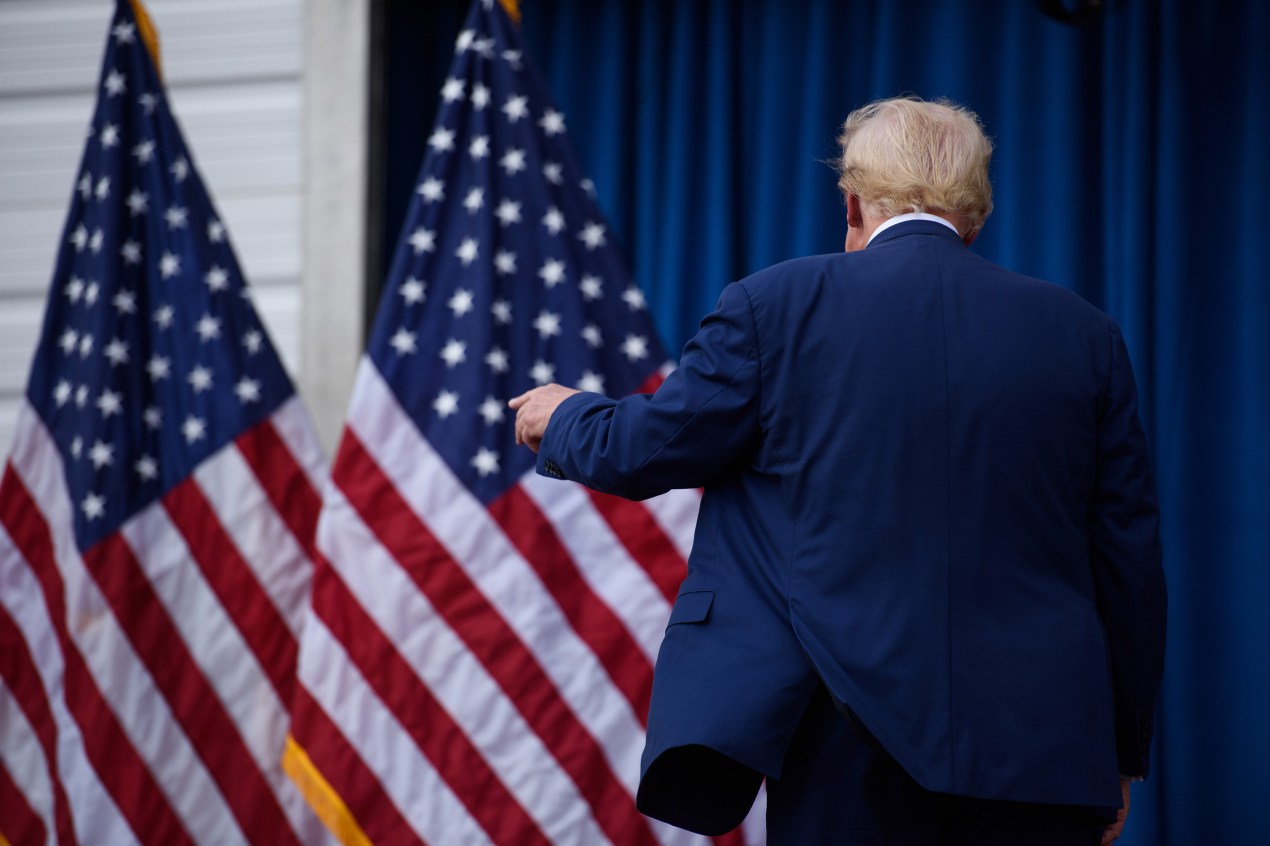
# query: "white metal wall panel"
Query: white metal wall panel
234,75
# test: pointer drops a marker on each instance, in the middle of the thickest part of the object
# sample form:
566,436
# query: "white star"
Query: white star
217,279
432,190
153,417
502,311
442,140
94,243
480,96
148,102
125,302
101,454
542,372
117,352
479,148
635,347
508,212
200,379
464,41
180,169
215,231
552,122
109,403
552,272
68,341
497,360
109,136
454,352
248,390
634,298
591,382
131,252
74,289
467,251
62,393
474,200
158,367
115,84
485,461
81,396
513,161
169,265
552,172
591,287
194,429
461,302
123,33
252,341
588,186
85,345
512,57
516,108
146,468
77,447
492,411
144,151
553,220
591,334
505,262
176,217
94,506
452,91
403,342
412,291
208,328
79,238
547,324
484,46
592,235
446,403
136,203
103,188
90,293
85,185
422,240
163,316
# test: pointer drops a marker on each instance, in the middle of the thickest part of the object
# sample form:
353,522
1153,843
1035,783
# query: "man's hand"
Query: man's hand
533,412
1111,832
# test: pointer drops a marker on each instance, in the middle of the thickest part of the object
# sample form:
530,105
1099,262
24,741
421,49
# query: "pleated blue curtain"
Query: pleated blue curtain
1131,166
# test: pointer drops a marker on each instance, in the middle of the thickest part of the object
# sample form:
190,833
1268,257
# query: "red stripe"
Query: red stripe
191,698
347,774
17,668
120,769
489,637
284,482
592,619
421,715
644,539
650,384
235,584
19,824
735,837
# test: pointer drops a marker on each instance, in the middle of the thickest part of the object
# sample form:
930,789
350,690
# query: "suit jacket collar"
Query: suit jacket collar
914,227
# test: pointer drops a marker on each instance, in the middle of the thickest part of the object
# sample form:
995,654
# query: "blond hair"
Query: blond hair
906,154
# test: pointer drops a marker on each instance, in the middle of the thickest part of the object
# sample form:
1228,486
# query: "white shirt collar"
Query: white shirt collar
901,218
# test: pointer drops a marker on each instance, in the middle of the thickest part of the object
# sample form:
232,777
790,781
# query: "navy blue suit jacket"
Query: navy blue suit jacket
926,484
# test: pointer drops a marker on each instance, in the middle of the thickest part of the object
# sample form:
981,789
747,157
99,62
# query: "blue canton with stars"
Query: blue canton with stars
506,276
151,356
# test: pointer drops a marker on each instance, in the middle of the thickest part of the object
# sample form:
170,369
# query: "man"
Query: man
925,598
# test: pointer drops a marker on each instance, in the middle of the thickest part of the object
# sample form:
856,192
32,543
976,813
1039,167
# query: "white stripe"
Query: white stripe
407,777
605,564
458,679
465,528
122,678
221,653
676,513
295,426
258,532
91,807
23,758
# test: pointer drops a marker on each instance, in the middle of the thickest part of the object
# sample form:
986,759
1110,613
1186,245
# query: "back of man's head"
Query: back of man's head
910,155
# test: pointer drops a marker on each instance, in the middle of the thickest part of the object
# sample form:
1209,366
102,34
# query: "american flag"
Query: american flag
478,661
156,514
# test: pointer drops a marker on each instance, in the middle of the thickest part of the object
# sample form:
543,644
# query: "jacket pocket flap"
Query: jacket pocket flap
692,607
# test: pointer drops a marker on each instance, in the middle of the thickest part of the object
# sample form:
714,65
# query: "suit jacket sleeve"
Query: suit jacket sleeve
702,418
1126,559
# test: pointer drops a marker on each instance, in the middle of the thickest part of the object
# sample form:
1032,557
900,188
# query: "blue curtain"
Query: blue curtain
1131,165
